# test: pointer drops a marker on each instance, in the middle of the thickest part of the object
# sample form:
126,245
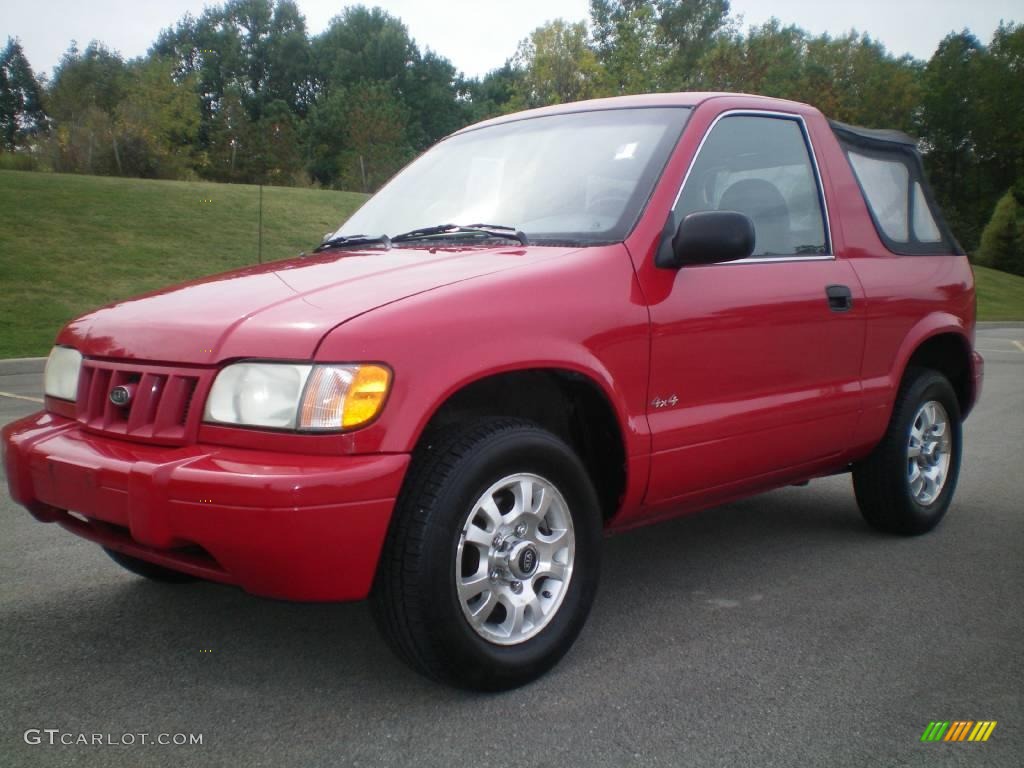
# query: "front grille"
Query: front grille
159,408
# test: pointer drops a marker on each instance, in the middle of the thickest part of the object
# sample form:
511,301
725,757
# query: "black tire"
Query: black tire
147,569
415,600
881,481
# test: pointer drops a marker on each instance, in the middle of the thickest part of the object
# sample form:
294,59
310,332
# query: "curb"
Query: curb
1000,324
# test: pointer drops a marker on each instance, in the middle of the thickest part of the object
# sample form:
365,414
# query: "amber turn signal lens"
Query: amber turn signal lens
366,395
343,396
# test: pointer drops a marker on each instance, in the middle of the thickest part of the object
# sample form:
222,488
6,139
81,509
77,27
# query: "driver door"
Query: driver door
755,364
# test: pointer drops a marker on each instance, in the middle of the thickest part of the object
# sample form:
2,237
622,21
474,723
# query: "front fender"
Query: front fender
545,317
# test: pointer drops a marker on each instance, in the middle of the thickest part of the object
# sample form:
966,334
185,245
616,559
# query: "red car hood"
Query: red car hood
280,310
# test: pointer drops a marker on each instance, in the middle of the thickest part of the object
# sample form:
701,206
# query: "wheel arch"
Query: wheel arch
941,344
570,403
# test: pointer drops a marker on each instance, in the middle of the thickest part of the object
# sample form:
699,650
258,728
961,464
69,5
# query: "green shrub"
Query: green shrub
1018,191
1002,242
17,161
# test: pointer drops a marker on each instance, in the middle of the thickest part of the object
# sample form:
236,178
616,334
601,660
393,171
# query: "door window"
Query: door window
761,167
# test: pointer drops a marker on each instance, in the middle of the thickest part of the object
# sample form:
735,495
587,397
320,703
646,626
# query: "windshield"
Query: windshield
581,178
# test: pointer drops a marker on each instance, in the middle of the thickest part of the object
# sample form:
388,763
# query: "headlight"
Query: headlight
60,378
309,397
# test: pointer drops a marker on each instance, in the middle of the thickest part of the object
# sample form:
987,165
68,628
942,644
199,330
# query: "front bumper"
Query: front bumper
284,525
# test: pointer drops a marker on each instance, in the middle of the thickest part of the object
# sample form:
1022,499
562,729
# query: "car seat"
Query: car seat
764,204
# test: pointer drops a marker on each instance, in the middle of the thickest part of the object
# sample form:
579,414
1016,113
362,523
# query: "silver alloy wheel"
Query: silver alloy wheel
514,559
928,452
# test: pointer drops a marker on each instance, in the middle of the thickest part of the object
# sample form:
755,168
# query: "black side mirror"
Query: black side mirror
709,237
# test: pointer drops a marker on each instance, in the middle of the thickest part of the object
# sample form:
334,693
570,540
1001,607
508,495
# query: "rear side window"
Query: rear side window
925,228
885,185
892,180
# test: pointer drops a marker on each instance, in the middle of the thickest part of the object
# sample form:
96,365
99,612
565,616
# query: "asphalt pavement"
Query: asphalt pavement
774,632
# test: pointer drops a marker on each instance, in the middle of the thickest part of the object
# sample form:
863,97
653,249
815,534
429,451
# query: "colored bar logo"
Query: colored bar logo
958,730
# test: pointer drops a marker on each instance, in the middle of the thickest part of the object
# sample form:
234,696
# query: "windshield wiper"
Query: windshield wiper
491,230
345,241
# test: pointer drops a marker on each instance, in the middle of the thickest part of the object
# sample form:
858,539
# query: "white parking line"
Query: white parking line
21,397
1017,344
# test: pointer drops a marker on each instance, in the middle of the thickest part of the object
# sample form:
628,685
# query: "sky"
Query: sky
479,35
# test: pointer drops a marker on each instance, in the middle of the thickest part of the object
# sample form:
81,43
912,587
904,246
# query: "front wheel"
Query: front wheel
491,563
906,485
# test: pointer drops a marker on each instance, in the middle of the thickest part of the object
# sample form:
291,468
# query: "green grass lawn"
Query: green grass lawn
1000,294
69,244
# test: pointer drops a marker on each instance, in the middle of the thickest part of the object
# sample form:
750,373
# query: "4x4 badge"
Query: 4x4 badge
665,403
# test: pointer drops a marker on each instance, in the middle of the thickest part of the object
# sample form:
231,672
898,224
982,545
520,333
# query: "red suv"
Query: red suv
552,325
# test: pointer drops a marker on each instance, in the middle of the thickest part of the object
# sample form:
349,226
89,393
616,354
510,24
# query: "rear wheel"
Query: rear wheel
906,485
147,569
491,562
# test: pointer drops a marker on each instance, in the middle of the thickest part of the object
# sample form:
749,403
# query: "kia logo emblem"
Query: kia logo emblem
527,561
120,396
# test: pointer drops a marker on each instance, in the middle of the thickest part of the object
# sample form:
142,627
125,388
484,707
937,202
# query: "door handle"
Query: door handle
840,299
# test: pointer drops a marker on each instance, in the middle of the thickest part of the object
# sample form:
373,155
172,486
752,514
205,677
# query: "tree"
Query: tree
1002,242
276,158
357,138
854,79
952,113
688,30
375,137
371,46
768,60
558,65
230,140
654,45
361,45
96,77
206,51
625,40
258,48
21,107
493,94
289,60
87,87
323,136
429,88
248,54
156,125
1000,128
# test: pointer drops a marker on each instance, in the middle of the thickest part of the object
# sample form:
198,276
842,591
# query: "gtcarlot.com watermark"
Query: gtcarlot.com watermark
57,737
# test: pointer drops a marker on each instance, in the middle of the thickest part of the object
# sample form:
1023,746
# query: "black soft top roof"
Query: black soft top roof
872,137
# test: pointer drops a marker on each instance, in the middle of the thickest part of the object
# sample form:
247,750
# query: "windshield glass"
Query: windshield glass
581,178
